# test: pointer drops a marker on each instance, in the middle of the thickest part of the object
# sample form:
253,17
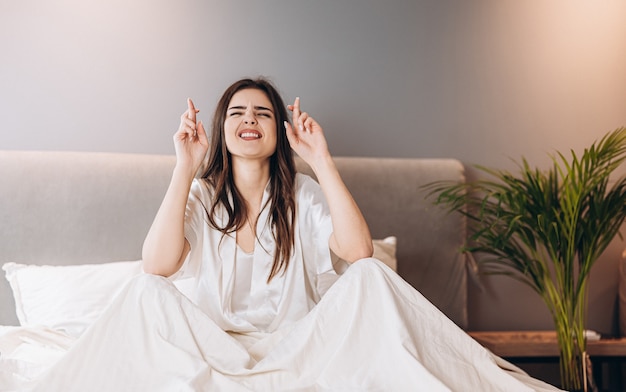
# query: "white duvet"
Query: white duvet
371,332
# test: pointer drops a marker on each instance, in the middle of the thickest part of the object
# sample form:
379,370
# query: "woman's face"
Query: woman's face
250,125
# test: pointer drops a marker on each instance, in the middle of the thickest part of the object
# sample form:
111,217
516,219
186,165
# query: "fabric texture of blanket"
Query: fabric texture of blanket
371,332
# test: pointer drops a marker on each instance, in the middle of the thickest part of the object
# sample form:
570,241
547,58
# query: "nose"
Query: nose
249,118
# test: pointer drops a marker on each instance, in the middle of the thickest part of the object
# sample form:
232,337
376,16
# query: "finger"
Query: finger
201,132
308,124
301,120
191,110
189,122
291,136
189,126
296,104
295,108
186,127
297,129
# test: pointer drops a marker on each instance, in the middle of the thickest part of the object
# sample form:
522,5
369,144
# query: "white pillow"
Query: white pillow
70,298
66,298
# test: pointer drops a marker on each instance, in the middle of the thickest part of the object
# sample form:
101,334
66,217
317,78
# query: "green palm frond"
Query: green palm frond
545,228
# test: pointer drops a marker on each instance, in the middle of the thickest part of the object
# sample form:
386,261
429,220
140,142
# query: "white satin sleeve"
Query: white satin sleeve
194,227
314,231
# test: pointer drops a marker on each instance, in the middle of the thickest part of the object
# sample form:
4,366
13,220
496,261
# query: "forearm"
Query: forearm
164,247
351,239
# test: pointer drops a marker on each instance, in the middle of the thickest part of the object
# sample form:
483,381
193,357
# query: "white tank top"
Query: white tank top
241,287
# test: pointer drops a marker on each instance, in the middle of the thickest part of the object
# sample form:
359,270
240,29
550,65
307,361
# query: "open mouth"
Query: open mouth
250,135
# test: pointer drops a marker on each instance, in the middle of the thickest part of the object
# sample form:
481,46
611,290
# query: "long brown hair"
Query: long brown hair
219,174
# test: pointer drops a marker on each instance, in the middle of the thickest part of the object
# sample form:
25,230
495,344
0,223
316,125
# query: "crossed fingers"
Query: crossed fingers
301,119
188,120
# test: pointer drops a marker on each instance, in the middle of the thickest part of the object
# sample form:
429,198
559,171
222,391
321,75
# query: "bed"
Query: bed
72,225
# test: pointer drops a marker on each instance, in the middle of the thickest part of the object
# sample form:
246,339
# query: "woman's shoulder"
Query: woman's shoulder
304,182
200,188
308,190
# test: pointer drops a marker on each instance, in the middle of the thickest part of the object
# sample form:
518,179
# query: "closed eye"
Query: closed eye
260,111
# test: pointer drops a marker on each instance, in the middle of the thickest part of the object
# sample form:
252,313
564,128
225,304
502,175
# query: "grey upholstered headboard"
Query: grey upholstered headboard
390,194
66,208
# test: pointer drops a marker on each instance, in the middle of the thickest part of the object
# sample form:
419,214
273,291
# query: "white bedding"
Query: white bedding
370,332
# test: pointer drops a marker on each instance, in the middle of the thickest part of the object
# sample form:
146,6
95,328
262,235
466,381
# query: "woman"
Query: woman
261,218
268,312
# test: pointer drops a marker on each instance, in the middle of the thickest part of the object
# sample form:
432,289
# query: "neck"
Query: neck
251,177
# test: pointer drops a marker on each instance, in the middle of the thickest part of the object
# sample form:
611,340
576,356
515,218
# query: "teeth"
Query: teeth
249,134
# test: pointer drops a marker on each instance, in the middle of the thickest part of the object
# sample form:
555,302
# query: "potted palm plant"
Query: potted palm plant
547,228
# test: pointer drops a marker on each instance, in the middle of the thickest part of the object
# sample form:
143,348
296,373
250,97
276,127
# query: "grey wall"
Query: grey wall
478,80
482,81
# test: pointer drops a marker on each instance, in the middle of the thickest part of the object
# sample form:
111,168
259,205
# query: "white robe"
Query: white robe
369,331
288,297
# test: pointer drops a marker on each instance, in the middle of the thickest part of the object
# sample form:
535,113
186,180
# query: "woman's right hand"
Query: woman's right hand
165,246
190,141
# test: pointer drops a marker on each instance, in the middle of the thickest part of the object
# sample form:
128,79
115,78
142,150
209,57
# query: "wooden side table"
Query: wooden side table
542,345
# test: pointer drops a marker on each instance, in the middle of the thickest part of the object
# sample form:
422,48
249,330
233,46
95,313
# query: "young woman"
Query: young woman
251,222
264,309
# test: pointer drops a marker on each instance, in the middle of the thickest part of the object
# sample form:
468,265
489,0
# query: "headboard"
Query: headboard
65,208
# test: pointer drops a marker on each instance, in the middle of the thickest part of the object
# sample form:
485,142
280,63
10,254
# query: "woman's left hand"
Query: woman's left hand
307,138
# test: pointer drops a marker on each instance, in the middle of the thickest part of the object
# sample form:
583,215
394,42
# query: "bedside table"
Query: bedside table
541,346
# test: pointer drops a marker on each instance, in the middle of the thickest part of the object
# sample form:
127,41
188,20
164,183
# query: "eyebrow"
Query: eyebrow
244,108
